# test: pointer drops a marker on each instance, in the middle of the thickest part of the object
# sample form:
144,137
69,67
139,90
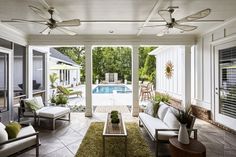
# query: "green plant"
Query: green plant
115,120
59,99
162,98
184,116
114,117
53,77
53,99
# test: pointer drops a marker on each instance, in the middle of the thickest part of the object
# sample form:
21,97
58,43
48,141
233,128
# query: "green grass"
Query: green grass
92,144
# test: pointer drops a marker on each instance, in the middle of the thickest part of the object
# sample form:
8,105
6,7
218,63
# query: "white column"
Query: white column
88,80
186,84
135,80
29,72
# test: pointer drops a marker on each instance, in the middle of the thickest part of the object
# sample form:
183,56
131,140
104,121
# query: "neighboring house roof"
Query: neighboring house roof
58,55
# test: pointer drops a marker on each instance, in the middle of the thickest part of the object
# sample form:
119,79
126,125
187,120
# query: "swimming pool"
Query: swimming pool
109,89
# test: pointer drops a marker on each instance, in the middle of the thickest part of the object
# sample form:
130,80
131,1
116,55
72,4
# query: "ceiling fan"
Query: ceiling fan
172,23
49,20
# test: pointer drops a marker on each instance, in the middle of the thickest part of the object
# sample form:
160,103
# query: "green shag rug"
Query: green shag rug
92,144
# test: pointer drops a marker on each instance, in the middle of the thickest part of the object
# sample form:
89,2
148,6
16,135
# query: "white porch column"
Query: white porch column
29,72
135,80
186,84
88,80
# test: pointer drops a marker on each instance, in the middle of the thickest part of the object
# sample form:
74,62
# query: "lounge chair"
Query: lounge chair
44,111
68,92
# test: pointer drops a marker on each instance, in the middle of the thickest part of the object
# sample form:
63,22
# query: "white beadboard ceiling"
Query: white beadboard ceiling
131,10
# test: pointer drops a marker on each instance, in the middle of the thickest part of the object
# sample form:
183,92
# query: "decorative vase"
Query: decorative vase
183,136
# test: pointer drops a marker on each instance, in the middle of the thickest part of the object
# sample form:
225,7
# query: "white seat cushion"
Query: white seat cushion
162,110
17,146
53,112
171,120
153,123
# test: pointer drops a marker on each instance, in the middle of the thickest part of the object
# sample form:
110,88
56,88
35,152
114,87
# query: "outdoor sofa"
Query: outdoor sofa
48,111
164,125
26,140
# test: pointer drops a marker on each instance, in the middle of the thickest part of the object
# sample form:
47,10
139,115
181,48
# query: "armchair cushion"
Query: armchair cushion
39,101
32,104
162,110
53,112
170,120
19,145
3,135
13,129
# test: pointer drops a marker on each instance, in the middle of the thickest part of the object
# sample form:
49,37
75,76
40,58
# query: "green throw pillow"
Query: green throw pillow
13,129
32,104
155,108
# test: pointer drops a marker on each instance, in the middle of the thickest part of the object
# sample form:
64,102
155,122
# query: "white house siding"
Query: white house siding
173,85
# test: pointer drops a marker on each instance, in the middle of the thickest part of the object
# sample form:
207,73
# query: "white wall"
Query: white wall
204,63
205,69
172,86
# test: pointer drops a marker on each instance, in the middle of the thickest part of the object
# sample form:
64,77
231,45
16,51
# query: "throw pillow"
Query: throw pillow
149,109
162,110
13,129
3,136
32,104
155,106
39,101
171,120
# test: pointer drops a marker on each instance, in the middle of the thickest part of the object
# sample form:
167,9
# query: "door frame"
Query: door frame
9,52
220,118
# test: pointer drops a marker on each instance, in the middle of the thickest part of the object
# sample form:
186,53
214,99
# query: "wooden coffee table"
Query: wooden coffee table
111,131
193,149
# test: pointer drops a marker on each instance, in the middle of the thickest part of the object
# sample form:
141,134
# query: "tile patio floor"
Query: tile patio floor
65,140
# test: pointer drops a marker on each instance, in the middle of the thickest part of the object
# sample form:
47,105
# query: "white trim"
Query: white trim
42,40
10,33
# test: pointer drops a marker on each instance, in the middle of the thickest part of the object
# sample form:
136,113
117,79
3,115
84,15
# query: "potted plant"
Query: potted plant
115,118
183,118
60,100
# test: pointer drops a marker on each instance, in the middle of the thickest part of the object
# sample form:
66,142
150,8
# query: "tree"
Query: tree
147,64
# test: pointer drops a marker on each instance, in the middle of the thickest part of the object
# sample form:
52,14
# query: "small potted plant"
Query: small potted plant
114,118
61,100
183,118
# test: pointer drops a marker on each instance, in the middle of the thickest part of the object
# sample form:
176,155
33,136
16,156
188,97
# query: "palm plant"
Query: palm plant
53,77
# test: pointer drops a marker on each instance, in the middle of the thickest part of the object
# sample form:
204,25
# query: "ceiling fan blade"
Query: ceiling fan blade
166,15
155,26
23,20
67,31
162,32
39,12
185,27
44,4
46,31
196,16
69,23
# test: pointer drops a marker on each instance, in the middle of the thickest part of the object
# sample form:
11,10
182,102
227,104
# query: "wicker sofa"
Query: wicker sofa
163,126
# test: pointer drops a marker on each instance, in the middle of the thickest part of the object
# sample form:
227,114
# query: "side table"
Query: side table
193,149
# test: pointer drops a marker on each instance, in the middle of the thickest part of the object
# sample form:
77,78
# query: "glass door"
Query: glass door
4,81
226,86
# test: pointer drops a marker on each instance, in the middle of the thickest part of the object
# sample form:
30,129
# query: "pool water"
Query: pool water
108,89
